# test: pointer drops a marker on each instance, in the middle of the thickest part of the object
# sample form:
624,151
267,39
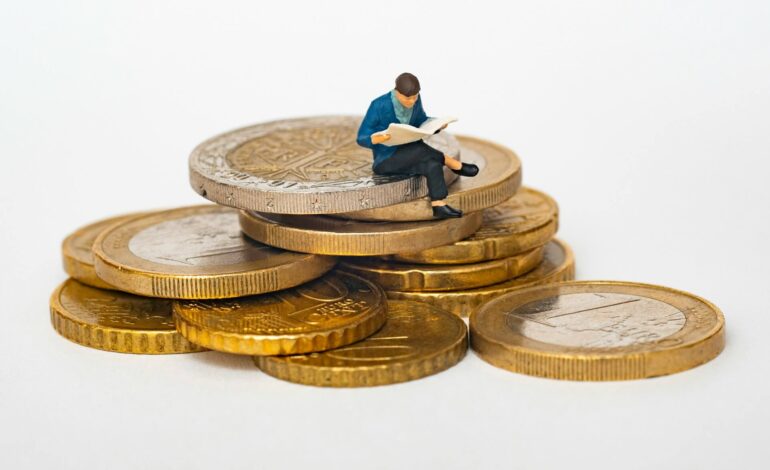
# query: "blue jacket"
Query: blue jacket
378,117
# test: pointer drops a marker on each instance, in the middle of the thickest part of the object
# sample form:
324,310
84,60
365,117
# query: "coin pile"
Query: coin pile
330,275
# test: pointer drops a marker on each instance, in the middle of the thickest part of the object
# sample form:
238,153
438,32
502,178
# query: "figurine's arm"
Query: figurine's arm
420,116
368,127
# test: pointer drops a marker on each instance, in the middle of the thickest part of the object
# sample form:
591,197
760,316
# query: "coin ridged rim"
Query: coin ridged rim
121,340
442,278
285,344
240,191
201,286
463,302
384,374
475,199
415,235
602,364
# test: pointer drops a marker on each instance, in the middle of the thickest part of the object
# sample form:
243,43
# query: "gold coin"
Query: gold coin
116,321
77,257
497,181
332,311
435,277
558,265
597,330
523,222
332,236
417,340
197,252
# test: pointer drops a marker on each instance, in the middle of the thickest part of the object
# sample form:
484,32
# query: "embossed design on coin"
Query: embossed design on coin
417,340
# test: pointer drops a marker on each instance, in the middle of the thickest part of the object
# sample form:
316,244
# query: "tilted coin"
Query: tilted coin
497,181
435,277
116,321
302,166
558,265
197,252
523,222
417,340
332,236
332,311
597,330
77,257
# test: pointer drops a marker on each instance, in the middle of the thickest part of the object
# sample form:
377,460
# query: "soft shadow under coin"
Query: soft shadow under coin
230,361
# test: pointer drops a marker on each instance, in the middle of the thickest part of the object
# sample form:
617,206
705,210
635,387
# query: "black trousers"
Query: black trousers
418,158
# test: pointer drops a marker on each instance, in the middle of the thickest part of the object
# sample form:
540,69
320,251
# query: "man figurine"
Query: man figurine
403,105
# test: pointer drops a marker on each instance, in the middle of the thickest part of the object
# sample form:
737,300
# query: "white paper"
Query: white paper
404,133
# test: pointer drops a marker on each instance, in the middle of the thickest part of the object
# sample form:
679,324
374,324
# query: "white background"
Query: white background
647,121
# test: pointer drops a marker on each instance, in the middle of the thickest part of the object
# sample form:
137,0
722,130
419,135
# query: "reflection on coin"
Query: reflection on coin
435,277
597,330
333,311
417,340
116,321
497,181
332,236
77,257
523,222
302,166
197,253
558,265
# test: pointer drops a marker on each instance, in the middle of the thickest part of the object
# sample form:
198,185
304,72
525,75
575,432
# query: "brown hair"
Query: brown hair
407,84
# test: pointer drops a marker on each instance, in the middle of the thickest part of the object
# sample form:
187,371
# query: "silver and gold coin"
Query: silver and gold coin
197,252
333,236
116,321
302,166
558,265
330,312
597,330
417,340
435,277
497,181
523,222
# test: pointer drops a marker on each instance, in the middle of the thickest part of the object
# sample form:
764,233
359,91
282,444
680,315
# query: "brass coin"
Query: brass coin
333,236
523,222
417,340
434,277
197,252
302,166
497,181
116,321
77,257
558,265
597,330
333,311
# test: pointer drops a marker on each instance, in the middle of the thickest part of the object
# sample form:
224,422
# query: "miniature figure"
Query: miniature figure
403,105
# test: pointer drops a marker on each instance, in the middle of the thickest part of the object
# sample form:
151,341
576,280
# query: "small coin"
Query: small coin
116,321
77,257
417,340
523,222
497,181
197,252
435,277
558,265
597,330
332,311
302,166
332,236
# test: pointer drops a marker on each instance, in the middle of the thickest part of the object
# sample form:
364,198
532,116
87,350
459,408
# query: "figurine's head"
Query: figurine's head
407,89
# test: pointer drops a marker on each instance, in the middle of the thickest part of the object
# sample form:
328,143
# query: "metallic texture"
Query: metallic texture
332,236
333,311
302,166
197,252
417,340
597,330
116,321
558,265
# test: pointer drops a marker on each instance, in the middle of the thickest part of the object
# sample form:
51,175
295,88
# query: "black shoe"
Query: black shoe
468,169
446,212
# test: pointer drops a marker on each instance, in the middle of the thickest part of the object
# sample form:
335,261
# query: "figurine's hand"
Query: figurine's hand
380,138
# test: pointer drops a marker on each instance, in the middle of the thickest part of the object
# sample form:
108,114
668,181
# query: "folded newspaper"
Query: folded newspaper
404,133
